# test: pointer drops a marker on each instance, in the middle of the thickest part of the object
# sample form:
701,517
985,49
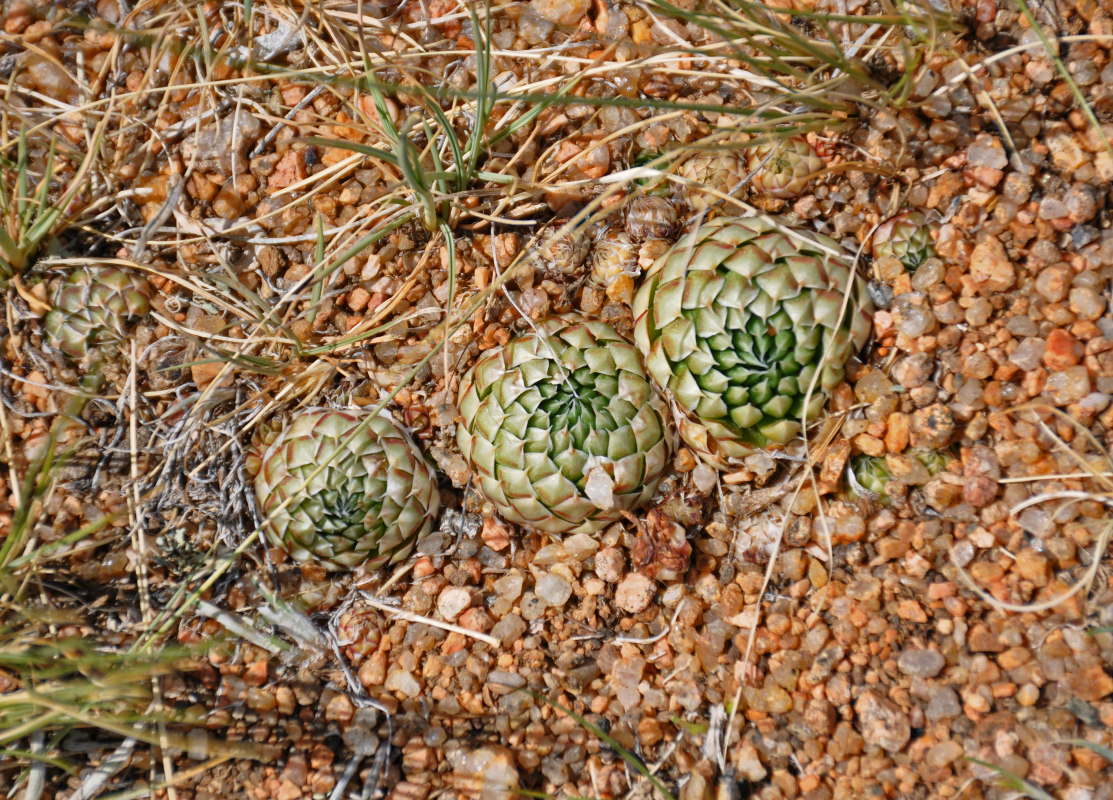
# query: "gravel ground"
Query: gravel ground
768,631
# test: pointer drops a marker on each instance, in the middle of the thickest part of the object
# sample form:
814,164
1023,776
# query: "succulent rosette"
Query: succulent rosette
613,256
93,307
745,326
870,475
358,494
782,168
905,237
650,217
563,429
711,174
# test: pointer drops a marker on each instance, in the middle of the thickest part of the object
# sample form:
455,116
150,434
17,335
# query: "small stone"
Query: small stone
875,384
562,12
747,763
488,772
609,563
913,315
1081,202
1028,695
509,629
452,600
704,478
932,427
990,266
533,607
287,790
289,170
580,546
1068,386
1085,303
914,371
1090,684
510,585
404,682
228,204
1063,350
358,299
1036,521
1033,566
1053,282
943,704
635,593
921,663
987,151
943,754
553,589
882,723
1028,355
1067,153
476,619
982,640
979,491
550,554
907,469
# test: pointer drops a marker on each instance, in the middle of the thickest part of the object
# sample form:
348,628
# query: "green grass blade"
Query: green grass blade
355,147
1064,73
21,199
626,755
318,285
1101,750
462,176
1014,782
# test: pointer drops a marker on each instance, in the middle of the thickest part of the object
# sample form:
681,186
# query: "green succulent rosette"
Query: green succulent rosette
745,327
563,429
93,307
905,237
869,476
363,502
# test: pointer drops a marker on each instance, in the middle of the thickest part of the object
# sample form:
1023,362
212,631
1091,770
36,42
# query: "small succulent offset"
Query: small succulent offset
905,237
650,217
374,498
870,475
613,256
563,253
94,307
710,174
563,429
782,168
744,326
779,169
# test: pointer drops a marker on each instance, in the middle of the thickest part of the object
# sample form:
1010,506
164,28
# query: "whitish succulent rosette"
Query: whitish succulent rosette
712,174
363,502
738,321
782,168
650,217
779,169
613,256
563,429
93,307
905,237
